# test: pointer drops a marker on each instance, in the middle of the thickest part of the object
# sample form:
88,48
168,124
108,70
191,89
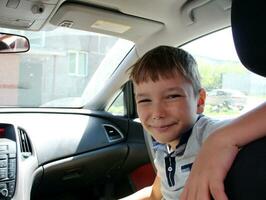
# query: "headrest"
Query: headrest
248,21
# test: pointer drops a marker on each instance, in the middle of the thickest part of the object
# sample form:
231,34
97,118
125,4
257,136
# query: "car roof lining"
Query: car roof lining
174,15
151,22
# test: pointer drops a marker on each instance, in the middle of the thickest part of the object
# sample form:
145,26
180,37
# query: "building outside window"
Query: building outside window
78,63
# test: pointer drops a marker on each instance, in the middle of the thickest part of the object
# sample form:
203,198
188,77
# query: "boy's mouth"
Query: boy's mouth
162,128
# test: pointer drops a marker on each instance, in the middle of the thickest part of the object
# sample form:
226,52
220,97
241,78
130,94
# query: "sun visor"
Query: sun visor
104,21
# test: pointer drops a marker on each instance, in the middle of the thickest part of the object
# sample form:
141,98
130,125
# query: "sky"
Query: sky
218,45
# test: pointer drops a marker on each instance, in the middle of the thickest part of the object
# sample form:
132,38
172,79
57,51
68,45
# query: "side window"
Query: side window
231,88
117,106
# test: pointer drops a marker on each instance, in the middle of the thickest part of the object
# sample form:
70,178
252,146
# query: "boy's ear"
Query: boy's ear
201,101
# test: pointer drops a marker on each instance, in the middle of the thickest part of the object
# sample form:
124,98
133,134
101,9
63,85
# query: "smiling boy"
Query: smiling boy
170,102
168,107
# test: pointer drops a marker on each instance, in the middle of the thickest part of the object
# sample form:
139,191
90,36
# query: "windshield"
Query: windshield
59,68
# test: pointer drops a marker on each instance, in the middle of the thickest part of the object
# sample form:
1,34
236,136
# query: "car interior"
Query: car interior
69,128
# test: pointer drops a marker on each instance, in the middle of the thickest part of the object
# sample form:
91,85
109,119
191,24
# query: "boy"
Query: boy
170,102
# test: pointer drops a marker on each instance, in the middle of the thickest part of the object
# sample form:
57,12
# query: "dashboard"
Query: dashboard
42,153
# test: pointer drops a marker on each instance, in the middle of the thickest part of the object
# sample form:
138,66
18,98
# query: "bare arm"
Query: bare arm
153,192
218,153
246,128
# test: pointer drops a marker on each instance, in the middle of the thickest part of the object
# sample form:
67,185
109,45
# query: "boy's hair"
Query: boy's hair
166,62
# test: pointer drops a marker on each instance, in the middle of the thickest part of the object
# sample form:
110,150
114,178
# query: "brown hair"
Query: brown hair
165,62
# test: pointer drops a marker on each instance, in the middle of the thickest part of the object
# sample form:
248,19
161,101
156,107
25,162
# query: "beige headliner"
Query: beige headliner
151,22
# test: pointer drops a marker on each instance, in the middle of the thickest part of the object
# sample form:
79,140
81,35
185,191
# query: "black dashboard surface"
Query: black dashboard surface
60,135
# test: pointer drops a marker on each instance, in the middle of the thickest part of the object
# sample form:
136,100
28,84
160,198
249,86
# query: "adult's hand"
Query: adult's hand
210,169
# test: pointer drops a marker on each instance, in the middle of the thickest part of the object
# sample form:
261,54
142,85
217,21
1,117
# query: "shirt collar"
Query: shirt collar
181,145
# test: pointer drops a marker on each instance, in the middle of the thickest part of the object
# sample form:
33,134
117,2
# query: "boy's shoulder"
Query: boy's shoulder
205,121
206,126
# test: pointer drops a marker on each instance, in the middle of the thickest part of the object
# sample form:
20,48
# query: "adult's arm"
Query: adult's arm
218,153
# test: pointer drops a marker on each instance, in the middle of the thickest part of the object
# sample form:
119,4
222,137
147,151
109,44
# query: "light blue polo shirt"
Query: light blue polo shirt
174,167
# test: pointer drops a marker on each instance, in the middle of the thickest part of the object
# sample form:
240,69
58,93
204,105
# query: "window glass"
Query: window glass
117,106
64,68
231,88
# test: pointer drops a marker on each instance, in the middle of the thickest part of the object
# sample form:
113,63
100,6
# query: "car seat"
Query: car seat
246,179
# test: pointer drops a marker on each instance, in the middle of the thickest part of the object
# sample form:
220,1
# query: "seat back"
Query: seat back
246,179
249,33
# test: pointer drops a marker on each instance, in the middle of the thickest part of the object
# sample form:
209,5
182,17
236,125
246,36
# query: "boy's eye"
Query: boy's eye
173,96
143,101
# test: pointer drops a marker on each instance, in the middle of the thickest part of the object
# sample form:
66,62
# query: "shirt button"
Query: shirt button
170,169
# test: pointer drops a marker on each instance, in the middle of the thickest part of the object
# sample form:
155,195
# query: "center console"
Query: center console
8,161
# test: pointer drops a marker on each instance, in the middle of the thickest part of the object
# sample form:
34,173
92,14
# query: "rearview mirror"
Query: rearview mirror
10,43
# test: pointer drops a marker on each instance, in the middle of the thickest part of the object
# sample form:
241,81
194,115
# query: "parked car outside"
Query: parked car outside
226,99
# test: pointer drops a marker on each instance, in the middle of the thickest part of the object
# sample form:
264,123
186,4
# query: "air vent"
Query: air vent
113,134
25,145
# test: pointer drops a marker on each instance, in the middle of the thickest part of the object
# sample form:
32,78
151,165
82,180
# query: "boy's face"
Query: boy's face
168,107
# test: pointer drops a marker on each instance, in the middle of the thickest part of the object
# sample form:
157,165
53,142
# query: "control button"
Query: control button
2,186
11,174
3,147
12,164
11,188
3,156
3,163
4,192
12,155
3,173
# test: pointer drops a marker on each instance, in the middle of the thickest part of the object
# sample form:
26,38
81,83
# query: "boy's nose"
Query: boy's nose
158,111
